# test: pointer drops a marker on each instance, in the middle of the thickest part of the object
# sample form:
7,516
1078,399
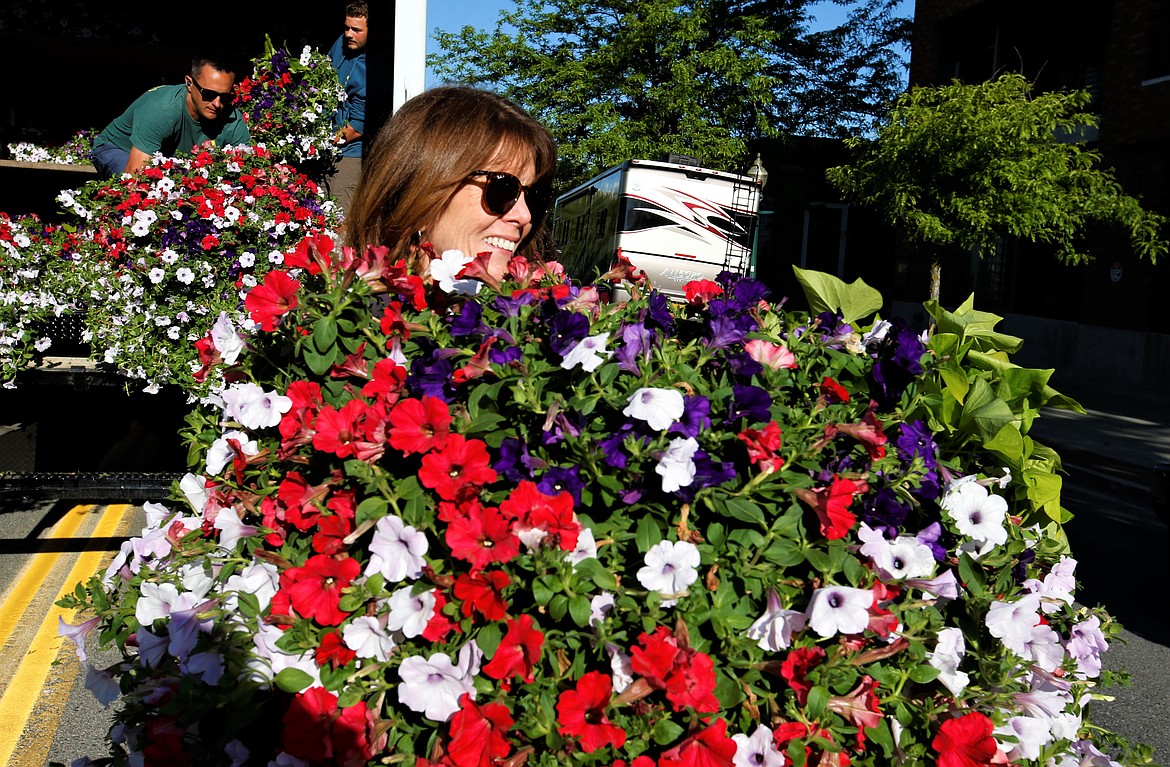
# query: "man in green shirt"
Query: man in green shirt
172,119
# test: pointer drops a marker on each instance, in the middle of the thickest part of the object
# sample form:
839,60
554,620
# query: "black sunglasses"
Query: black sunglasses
209,95
502,190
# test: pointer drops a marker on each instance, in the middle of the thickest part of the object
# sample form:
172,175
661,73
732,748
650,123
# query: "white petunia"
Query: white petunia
253,407
947,655
226,339
977,513
396,550
676,466
839,609
670,568
589,353
659,408
410,613
1012,622
773,630
757,750
368,639
445,270
433,686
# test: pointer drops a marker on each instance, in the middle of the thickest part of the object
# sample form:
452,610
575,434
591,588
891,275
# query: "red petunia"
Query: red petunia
462,465
477,365
209,242
338,431
314,589
330,536
317,731
693,683
795,669
478,734
518,652
869,433
387,382
709,747
965,741
581,713
762,446
420,425
831,391
333,651
439,626
550,514
653,657
482,592
272,299
831,505
700,292
686,675
482,536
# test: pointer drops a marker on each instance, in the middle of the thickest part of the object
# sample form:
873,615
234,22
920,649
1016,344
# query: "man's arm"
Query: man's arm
138,160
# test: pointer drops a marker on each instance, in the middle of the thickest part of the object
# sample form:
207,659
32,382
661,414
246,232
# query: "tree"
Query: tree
618,79
969,164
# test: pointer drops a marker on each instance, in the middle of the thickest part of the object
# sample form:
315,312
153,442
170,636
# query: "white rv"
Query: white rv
675,222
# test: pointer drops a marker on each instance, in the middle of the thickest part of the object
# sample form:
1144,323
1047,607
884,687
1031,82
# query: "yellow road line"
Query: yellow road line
18,701
17,600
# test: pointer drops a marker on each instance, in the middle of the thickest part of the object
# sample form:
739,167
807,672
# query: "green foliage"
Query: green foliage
619,79
968,164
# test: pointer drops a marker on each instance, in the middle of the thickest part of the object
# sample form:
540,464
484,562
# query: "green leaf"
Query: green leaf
818,700
292,680
1008,442
489,638
984,414
485,421
319,363
601,575
580,610
325,334
924,674
826,293
666,731
745,510
371,507
647,534
971,575
784,552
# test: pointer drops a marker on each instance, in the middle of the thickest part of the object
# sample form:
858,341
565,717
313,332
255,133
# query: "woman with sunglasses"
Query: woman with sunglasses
461,168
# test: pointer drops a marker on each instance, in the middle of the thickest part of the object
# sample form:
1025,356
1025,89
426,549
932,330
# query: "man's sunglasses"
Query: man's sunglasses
502,190
209,95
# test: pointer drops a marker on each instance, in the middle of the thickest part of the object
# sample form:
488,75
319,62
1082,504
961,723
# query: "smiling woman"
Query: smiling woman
460,168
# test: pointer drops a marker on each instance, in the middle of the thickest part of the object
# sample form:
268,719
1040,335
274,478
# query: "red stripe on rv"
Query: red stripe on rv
684,255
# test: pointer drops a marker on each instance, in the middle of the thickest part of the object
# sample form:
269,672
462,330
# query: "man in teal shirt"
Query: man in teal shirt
172,119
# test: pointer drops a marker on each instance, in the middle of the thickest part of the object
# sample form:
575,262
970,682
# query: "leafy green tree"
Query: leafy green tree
967,165
618,79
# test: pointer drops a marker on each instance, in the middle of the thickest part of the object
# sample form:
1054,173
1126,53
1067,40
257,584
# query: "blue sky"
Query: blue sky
453,15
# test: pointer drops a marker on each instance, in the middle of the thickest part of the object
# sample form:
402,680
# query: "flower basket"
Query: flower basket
527,527
158,257
289,103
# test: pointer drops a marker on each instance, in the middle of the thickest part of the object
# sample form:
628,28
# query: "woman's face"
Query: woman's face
468,226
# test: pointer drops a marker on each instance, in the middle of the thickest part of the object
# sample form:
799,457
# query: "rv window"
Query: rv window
640,214
601,217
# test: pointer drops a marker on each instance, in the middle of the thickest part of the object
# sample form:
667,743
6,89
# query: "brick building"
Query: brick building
1095,322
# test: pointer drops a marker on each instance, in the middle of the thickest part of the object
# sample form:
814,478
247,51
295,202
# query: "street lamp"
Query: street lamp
757,172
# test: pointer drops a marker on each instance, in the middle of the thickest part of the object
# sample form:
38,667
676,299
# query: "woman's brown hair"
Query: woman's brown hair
425,152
